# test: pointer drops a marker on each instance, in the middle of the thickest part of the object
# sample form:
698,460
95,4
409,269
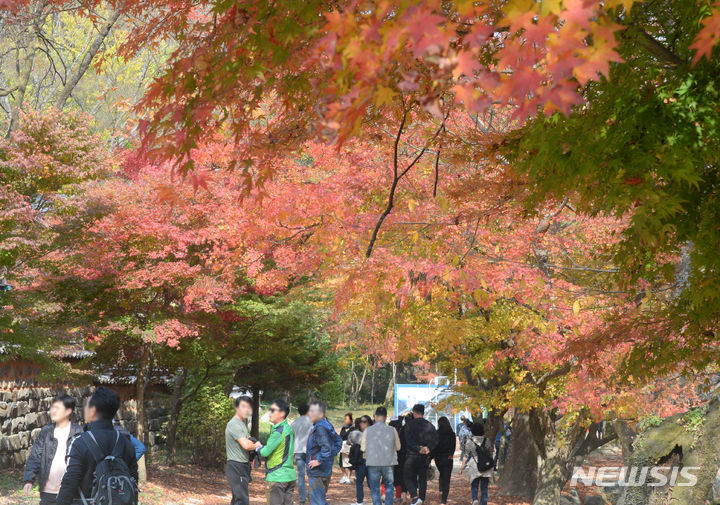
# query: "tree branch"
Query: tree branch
87,59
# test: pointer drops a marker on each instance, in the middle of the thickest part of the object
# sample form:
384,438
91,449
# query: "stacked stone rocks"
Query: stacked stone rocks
24,411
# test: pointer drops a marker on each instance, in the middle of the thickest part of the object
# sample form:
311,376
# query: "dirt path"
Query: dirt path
186,485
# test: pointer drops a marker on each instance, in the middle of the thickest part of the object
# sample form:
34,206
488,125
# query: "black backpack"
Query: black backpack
483,457
113,484
356,456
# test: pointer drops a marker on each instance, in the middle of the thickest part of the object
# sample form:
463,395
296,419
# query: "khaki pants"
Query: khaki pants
280,493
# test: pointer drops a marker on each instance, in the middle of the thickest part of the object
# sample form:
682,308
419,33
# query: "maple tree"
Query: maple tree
523,191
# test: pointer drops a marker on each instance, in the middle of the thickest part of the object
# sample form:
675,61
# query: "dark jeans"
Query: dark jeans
238,475
444,466
47,499
482,483
280,493
360,478
415,474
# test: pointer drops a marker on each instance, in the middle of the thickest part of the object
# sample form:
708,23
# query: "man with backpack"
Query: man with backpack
421,437
46,463
322,447
480,464
279,470
101,464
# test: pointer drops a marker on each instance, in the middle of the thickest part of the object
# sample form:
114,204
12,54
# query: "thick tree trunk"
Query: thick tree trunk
177,402
674,443
626,436
560,452
519,475
140,385
255,427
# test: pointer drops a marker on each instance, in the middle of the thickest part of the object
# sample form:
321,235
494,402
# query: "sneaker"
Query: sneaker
418,501
476,502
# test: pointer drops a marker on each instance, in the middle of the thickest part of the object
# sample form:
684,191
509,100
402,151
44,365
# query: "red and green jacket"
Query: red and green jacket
279,453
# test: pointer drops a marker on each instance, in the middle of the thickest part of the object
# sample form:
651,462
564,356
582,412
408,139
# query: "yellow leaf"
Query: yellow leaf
477,296
384,96
576,306
412,204
550,7
627,4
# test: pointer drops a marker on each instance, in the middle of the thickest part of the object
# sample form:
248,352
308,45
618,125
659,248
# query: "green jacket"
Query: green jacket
279,451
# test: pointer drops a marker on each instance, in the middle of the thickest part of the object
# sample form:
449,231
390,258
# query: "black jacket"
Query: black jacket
446,445
420,432
81,464
42,453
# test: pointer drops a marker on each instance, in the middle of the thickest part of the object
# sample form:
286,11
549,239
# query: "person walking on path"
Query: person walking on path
464,435
301,427
237,447
357,458
380,443
460,425
479,453
421,438
46,463
322,447
90,450
443,455
396,424
345,466
279,449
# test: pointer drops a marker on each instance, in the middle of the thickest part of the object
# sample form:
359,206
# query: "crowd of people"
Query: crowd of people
392,458
97,463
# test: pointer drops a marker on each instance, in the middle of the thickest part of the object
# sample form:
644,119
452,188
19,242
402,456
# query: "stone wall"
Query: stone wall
24,411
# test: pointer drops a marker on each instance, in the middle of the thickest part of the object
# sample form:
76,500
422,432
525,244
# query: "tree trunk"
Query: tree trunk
140,385
177,401
626,436
359,385
519,474
675,443
390,392
255,427
560,452
75,77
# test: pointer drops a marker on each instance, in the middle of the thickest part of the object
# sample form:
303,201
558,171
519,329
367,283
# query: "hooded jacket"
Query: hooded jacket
320,447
